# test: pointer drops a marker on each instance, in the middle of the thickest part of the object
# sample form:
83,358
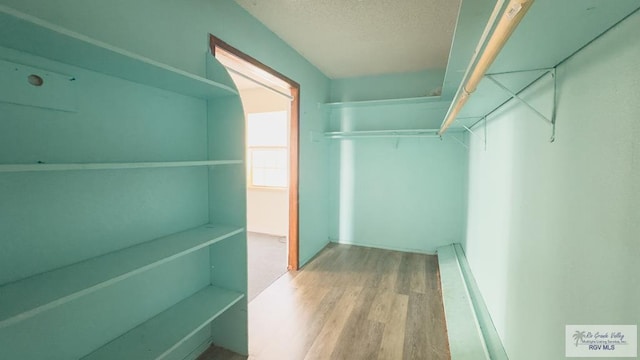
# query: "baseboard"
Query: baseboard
469,325
384,247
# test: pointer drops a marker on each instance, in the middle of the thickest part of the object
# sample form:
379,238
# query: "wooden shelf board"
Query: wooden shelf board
32,35
28,297
157,337
112,166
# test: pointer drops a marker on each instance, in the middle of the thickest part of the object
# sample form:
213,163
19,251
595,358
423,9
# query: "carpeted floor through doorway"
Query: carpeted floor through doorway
267,261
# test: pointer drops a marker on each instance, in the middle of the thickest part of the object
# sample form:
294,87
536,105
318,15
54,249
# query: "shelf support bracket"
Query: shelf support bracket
552,119
474,133
485,132
458,141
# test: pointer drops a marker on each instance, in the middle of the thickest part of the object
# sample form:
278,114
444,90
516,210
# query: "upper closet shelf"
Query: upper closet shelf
402,101
32,35
159,336
111,166
25,298
550,33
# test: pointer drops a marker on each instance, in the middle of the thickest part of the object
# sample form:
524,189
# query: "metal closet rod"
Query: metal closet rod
260,83
482,60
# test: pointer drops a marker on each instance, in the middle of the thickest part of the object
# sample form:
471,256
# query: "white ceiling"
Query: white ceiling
347,38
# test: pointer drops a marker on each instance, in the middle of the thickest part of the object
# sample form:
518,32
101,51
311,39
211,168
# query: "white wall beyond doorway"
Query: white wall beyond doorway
267,211
267,208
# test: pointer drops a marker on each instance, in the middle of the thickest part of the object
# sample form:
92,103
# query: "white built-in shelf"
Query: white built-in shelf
112,166
25,298
157,337
401,101
32,35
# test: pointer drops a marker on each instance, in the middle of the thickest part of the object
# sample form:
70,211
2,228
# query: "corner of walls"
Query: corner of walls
404,194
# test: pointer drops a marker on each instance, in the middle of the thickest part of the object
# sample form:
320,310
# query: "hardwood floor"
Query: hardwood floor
352,303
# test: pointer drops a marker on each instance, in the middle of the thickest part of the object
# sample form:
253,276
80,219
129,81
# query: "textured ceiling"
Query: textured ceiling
347,38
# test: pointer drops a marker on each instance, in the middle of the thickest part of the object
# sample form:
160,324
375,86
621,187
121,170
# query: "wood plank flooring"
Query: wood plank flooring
350,303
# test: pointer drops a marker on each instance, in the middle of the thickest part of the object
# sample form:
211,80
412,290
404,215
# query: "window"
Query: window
267,155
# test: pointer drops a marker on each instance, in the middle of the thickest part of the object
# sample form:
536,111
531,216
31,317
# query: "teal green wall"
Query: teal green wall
387,86
408,196
395,193
553,227
424,115
176,33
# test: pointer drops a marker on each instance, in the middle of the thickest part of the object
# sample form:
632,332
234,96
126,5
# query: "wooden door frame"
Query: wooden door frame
267,73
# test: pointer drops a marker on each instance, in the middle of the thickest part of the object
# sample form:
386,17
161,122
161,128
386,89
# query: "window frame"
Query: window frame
250,167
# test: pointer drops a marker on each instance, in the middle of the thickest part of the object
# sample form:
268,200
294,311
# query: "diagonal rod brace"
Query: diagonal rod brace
517,97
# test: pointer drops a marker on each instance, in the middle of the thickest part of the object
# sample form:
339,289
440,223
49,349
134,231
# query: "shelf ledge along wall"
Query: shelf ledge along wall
122,209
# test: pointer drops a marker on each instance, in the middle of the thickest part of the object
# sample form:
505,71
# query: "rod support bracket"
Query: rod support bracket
474,133
460,142
552,119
